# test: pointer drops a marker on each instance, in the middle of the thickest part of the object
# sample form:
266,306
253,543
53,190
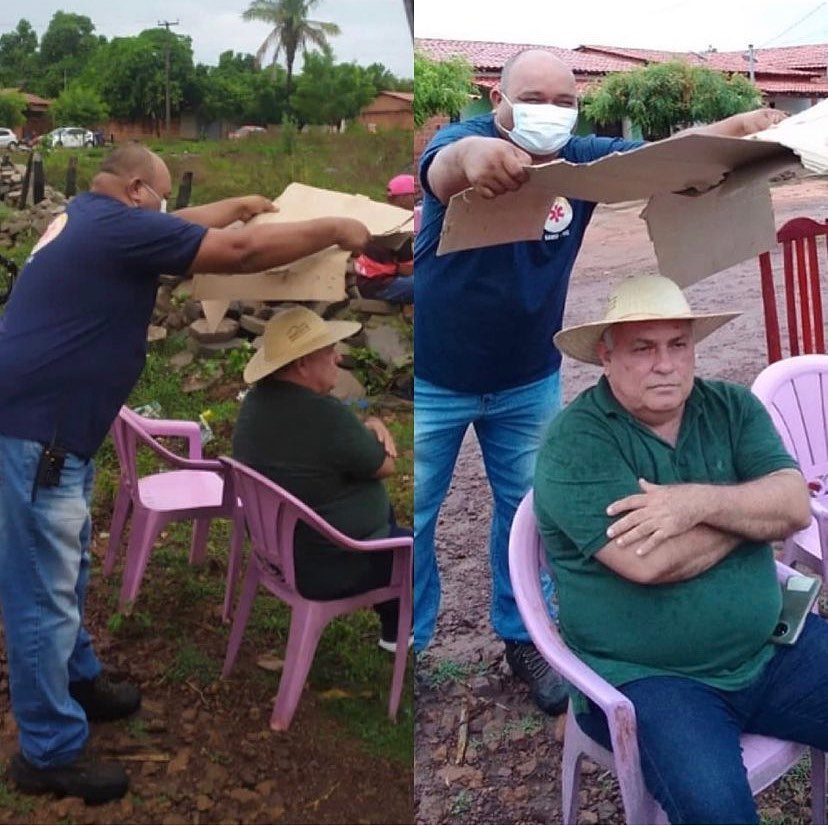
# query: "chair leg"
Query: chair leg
401,656
234,563
817,786
120,514
570,784
145,528
248,594
306,625
198,547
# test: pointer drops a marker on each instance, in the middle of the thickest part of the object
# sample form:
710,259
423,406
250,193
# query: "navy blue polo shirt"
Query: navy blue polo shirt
73,337
486,317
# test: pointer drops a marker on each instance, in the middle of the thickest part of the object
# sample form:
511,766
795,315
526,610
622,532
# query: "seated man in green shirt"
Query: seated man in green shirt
293,431
657,495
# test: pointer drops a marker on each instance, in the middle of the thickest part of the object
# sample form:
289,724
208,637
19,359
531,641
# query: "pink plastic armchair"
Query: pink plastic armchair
271,515
795,393
765,758
192,488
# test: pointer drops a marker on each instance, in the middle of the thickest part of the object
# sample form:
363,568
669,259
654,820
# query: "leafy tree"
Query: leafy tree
663,96
79,105
238,90
129,75
328,92
292,30
441,87
65,48
18,54
12,109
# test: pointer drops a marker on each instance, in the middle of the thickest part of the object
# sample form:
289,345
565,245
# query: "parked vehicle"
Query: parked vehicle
8,140
246,131
70,137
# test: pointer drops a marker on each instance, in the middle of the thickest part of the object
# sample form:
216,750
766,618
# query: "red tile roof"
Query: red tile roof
764,60
491,56
407,96
794,70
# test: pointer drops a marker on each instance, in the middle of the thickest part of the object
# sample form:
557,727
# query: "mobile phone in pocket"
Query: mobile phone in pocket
799,593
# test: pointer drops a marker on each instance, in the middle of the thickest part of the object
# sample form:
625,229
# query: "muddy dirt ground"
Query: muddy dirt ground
483,752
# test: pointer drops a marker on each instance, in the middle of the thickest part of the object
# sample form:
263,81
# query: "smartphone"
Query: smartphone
799,593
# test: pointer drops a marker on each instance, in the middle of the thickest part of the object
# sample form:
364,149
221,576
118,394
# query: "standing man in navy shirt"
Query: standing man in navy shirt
486,317
72,346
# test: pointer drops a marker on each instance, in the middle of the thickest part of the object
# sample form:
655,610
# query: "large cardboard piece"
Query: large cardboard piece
317,277
726,215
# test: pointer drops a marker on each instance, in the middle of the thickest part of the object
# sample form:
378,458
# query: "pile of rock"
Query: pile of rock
26,224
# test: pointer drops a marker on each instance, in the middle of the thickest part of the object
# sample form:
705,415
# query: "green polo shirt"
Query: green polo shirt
714,627
315,447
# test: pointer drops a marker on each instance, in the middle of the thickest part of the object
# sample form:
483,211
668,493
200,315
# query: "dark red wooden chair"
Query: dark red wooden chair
804,250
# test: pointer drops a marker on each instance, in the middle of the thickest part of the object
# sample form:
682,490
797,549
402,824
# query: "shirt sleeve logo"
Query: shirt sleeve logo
559,219
52,231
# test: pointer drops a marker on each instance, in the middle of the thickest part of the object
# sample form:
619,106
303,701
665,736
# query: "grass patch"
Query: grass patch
192,663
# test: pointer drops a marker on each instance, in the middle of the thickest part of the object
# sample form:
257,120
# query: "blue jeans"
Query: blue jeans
509,426
399,291
44,567
688,733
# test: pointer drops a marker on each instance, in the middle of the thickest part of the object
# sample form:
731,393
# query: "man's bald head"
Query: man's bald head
131,160
535,62
135,175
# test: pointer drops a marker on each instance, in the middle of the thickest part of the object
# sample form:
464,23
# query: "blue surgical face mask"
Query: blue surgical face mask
540,128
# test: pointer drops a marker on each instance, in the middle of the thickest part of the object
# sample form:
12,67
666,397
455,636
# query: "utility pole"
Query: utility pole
166,24
751,72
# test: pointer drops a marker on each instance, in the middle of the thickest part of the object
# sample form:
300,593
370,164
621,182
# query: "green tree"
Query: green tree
65,48
12,109
441,87
292,30
328,92
237,89
664,96
129,75
79,105
18,55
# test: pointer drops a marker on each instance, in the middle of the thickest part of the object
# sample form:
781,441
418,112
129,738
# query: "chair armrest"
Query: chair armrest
819,509
179,428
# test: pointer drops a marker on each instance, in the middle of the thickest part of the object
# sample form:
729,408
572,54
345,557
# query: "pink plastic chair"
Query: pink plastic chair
192,489
765,758
271,515
795,393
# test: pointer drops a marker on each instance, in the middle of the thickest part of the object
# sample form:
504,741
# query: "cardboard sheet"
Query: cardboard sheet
317,277
693,236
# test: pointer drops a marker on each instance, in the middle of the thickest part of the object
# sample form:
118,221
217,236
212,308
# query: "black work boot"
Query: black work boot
103,699
94,782
548,688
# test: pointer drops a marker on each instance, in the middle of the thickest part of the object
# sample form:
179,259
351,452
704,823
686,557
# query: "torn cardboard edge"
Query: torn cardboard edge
316,277
703,230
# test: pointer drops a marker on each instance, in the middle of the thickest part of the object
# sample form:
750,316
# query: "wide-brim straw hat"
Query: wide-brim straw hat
291,334
643,298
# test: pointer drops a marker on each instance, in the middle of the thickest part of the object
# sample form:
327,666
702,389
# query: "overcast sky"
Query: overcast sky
373,31
683,25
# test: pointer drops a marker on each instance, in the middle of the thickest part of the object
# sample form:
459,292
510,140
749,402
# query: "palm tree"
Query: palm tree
291,31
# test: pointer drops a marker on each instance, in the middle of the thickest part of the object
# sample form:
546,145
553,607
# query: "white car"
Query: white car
8,140
70,137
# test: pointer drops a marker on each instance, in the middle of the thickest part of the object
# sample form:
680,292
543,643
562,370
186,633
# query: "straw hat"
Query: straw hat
643,298
291,334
